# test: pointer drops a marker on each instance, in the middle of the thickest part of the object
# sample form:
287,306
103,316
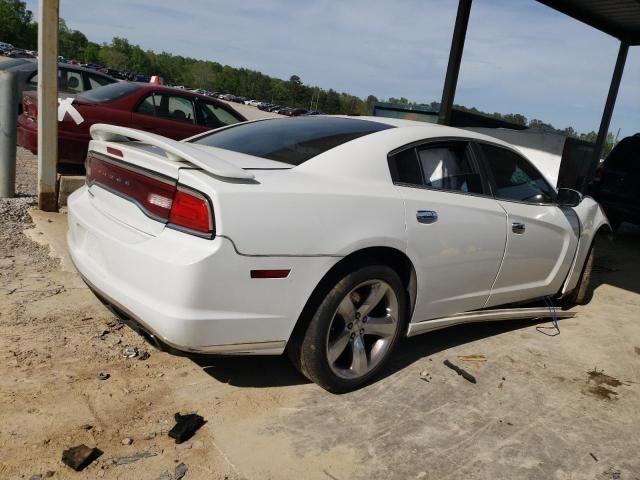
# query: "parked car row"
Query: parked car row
159,109
72,79
8,50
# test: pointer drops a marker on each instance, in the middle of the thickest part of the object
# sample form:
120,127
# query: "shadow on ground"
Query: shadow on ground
616,263
618,258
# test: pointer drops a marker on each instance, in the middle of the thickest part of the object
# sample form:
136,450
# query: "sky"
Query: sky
519,57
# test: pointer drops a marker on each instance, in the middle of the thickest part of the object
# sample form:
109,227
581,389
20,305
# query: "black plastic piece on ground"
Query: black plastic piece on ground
186,426
79,457
463,373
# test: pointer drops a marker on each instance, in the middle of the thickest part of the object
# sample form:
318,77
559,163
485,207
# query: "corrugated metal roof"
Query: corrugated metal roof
619,18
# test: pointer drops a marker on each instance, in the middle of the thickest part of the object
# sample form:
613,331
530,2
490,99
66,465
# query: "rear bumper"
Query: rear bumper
193,294
27,134
72,148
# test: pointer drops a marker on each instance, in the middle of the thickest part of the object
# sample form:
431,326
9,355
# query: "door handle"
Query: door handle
426,216
518,227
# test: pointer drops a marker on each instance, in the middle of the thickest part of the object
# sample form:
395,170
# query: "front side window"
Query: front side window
515,178
214,116
443,167
96,81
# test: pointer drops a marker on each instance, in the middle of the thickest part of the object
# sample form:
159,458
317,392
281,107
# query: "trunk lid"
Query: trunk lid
137,182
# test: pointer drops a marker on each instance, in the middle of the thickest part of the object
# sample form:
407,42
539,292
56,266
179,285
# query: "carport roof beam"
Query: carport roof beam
48,104
455,58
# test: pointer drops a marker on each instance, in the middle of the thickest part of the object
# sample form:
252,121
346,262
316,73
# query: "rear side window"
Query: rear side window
290,140
515,178
447,167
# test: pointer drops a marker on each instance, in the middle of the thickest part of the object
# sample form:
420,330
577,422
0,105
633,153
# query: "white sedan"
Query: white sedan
330,237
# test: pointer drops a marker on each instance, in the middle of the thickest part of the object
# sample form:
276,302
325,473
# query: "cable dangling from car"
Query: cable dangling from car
554,320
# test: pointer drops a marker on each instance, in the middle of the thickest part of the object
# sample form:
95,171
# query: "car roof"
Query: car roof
182,91
432,129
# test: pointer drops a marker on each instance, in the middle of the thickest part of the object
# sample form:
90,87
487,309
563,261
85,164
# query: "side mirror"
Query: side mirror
567,197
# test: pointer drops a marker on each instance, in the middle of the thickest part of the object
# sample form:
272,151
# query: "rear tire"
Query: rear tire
353,331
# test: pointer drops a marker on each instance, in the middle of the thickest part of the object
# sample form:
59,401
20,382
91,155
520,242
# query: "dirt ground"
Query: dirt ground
564,407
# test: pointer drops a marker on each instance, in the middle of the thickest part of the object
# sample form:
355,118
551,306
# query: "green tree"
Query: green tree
16,24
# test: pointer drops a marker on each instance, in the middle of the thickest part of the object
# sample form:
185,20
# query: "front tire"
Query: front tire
354,329
583,293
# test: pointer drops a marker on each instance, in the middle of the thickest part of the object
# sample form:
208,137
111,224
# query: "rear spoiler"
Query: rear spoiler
174,150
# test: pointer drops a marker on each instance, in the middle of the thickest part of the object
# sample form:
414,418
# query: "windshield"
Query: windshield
290,140
108,93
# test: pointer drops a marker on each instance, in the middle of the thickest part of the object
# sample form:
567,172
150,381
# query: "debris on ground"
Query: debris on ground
180,472
39,476
472,358
144,355
102,376
127,441
129,352
134,458
186,426
424,375
80,456
593,456
463,373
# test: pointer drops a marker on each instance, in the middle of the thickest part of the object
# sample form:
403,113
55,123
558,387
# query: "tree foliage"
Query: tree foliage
18,28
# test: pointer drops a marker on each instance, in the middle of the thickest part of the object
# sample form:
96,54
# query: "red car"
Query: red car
167,111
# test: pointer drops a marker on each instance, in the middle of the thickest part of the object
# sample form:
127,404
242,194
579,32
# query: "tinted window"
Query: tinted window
71,81
108,93
442,167
147,106
214,116
290,140
449,168
515,178
405,168
96,81
175,108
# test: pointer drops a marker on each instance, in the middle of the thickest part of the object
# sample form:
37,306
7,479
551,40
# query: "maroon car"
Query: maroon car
167,111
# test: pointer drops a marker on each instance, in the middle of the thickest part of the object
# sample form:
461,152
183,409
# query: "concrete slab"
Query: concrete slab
67,184
50,229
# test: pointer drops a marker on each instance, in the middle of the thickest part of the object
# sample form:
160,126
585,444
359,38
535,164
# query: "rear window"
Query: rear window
290,140
108,93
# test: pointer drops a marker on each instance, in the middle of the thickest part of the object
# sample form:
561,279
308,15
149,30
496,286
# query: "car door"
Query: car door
541,237
172,116
455,229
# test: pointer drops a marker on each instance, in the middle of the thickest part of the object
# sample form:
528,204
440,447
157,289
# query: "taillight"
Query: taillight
159,197
29,106
191,211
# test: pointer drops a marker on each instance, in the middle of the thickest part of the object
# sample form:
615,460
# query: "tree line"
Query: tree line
18,27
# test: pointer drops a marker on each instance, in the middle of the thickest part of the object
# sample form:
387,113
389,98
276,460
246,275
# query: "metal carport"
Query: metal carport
618,18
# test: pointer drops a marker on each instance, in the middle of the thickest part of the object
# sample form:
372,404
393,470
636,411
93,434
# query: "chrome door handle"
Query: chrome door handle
426,216
518,227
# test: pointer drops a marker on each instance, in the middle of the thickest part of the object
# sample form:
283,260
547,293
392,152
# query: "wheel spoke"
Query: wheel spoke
338,346
360,362
380,326
347,309
377,293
